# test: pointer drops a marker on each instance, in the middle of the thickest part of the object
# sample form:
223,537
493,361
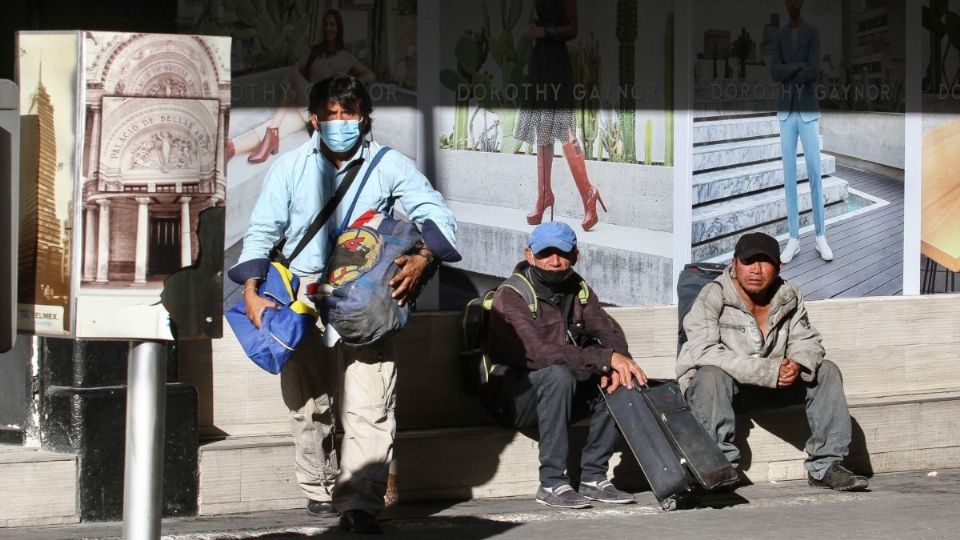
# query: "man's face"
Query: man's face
793,7
551,259
755,274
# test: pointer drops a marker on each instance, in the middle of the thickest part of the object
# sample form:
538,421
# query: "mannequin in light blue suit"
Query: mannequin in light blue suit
796,65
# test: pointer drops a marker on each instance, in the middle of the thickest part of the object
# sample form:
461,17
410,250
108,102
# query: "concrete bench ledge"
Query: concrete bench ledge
39,488
897,354
891,433
884,346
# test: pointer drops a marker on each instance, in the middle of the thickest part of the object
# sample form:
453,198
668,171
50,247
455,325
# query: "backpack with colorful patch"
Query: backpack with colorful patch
475,364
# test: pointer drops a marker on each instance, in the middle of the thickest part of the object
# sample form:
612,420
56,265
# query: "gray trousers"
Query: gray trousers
551,398
711,396
352,386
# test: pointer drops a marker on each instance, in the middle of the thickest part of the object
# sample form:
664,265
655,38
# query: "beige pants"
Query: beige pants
357,387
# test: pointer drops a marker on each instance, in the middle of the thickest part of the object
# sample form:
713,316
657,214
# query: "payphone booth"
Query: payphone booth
9,191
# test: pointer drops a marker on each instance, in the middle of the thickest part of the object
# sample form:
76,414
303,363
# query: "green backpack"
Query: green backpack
475,365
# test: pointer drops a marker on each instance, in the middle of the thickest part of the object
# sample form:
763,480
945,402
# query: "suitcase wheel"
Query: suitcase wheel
669,504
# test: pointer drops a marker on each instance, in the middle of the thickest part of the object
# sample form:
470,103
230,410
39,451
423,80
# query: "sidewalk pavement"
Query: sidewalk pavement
920,504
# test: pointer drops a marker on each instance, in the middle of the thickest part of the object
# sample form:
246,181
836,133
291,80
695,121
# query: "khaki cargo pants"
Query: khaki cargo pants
355,386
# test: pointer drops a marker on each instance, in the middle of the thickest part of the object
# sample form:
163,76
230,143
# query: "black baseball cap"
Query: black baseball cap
757,243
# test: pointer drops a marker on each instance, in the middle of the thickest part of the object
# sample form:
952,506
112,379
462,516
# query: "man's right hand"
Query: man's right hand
255,303
789,370
624,371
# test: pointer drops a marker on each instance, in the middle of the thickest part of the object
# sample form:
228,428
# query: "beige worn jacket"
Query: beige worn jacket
722,332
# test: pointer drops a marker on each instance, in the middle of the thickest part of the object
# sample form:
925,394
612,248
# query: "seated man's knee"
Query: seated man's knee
829,372
710,376
557,375
708,385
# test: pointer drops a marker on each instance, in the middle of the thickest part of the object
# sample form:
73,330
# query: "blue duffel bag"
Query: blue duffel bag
281,329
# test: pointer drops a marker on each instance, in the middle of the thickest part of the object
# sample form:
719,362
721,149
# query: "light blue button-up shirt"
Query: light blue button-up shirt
300,182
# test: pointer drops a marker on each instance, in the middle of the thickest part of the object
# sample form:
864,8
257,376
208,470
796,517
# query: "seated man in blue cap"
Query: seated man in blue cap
552,345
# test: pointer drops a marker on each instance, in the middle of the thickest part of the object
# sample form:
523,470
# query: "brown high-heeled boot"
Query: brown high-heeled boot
578,167
268,146
544,193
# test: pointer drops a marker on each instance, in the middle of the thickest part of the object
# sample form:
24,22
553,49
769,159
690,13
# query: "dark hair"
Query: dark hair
319,48
346,91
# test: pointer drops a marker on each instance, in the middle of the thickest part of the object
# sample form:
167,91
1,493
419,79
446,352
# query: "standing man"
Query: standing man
749,339
796,66
550,354
294,191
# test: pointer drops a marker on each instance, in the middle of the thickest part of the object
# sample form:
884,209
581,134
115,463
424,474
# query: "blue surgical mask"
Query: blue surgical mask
340,135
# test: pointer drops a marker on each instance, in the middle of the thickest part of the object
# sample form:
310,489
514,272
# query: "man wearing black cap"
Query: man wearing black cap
552,344
749,337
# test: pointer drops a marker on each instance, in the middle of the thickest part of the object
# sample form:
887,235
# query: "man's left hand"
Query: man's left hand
789,370
406,283
624,371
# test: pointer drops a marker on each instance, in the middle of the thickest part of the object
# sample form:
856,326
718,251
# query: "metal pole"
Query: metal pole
143,461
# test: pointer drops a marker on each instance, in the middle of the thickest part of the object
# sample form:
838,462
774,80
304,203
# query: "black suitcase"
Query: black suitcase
676,454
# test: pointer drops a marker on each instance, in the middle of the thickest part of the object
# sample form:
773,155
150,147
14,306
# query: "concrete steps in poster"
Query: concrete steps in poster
738,181
735,153
731,128
725,183
722,248
729,216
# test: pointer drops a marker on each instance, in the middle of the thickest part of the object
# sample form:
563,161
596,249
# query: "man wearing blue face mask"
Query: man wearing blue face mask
295,189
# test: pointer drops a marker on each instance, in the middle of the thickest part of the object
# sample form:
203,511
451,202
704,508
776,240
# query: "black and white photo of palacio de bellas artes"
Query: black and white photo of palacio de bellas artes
156,108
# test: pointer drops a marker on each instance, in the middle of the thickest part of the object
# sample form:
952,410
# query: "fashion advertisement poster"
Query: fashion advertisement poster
940,186
560,110
280,49
798,132
47,74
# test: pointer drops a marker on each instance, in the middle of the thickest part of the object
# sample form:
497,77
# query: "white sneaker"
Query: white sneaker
824,248
790,250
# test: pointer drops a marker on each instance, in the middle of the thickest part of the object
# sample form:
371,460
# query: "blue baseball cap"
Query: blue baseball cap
553,234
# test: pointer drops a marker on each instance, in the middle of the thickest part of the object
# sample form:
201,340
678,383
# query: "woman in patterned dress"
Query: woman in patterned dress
547,113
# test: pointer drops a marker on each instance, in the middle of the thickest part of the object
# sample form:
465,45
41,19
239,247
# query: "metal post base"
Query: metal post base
143,461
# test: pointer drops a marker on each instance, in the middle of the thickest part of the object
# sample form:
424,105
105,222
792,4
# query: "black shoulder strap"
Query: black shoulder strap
326,212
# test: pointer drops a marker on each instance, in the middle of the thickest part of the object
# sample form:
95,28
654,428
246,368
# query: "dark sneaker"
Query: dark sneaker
321,508
562,496
840,479
604,491
359,521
